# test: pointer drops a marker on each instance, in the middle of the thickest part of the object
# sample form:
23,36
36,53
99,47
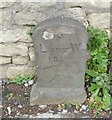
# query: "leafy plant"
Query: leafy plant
21,79
96,73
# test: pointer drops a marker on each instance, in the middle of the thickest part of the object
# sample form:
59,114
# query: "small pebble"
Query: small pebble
38,114
15,103
25,116
65,111
31,82
80,109
26,95
9,110
26,84
75,111
84,112
42,106
51,111
20,106
18,113
84,107
0,82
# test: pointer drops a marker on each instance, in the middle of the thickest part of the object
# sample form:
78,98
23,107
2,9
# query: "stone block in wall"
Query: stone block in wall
8,36
61,10
28,18
101,3
23,35
13,49
6,18
100,20
6,4
31,63
33,18
92,6
79,14
84,3
34,6
19,60
5,60
14,70
15,35
77,4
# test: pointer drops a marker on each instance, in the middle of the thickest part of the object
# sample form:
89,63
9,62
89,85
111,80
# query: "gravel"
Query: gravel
42,106
30,82
84,107
26,84
46,115
20,106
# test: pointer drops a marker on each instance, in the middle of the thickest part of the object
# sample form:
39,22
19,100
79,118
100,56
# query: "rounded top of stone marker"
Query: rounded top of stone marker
62,21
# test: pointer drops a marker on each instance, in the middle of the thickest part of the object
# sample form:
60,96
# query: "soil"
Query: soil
17,98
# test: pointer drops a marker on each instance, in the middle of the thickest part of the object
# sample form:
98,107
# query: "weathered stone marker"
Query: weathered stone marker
60,50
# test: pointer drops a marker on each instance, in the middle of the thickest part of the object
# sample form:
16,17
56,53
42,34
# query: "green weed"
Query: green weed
31,30
96,73
21,79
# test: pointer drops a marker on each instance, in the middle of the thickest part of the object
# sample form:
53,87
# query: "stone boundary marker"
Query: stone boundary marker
60,50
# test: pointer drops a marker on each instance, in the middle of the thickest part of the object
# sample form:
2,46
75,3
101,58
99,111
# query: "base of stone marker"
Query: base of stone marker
56,95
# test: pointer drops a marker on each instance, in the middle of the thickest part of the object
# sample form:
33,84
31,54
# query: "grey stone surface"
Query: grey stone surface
13,49
0,94
31,53
5,4
14,35
28,18
14,70
60,9
5,18
4,60
19,60
60,50
99,20
3,69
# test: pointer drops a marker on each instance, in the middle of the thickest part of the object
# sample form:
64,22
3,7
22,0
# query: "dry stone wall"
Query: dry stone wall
16,46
